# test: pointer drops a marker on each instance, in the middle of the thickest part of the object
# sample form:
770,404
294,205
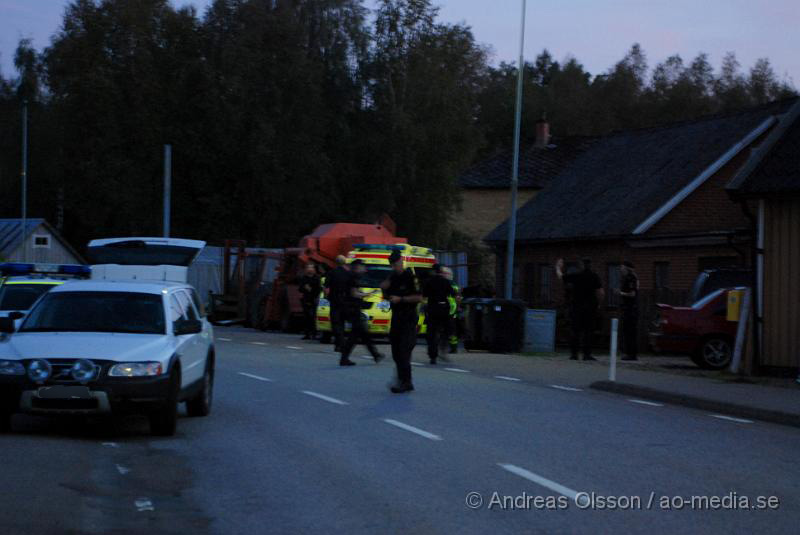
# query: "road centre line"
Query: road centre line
506,378
457,370
225,339
324,397
567,388
731,419
293,347
539,480
257,377
417,364
412,429
122,469
259,343
648,403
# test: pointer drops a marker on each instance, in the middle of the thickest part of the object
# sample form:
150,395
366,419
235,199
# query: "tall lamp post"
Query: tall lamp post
24,179
512,222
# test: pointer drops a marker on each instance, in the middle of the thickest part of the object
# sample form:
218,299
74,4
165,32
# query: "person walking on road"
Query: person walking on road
629,293
359,330
310,287
336,290
587,294
437,291
401,289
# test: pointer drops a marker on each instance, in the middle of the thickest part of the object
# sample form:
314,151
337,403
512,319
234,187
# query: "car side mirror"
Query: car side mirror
182,326
16,315
7,325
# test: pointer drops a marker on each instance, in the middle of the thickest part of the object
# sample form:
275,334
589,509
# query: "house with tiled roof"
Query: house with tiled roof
769,185
485,187
653,196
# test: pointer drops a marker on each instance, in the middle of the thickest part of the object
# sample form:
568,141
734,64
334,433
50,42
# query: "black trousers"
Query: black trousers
310,318
403,337
583,323
630,331
437,323
337,323
359,332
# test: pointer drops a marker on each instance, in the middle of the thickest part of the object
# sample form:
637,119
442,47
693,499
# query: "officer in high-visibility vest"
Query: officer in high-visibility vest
455,301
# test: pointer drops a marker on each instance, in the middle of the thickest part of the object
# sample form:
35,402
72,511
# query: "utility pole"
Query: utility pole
24,180
167,187
512,221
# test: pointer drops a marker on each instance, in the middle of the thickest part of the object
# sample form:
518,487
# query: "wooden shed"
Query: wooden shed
35,241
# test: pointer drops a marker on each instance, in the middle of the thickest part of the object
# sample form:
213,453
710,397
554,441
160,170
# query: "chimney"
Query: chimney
542,133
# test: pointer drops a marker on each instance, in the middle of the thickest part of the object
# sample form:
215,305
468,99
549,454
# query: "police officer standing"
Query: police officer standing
587,294
310,287
629,293
336,287
437,291
402,290
354,306
455,302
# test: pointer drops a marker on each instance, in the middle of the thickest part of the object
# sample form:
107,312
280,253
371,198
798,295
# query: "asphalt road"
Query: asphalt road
296,444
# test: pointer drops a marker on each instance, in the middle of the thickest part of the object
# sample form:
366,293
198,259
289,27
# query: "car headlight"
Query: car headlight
324,302
136,369
83,371
39,370
11,367
384,306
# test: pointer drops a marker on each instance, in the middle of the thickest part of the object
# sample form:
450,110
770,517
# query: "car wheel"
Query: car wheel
715,353
200,405
164,422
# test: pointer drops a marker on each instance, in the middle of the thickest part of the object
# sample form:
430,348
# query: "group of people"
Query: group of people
586,295
344,291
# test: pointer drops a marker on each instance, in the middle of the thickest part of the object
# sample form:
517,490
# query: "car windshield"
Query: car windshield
114,312
21,296
374,276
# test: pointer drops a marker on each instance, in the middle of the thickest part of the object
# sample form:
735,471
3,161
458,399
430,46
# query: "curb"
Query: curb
721,407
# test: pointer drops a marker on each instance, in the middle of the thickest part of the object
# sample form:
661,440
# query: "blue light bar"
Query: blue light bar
17,269
378,247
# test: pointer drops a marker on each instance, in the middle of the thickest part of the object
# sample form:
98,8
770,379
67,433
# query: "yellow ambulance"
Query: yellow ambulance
376,258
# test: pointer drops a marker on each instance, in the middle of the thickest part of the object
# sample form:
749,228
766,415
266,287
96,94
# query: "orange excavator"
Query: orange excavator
261,286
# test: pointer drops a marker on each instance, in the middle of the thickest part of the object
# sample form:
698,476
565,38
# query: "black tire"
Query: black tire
200,405
164,422
714,353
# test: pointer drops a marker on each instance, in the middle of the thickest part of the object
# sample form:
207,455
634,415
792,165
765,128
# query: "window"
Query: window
201,309
176,311
41,241
661,275
545,283
186,305
614,282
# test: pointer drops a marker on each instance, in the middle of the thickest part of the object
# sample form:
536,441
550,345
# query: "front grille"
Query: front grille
64,404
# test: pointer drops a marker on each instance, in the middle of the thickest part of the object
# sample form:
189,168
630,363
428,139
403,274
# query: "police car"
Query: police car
22,284
132,339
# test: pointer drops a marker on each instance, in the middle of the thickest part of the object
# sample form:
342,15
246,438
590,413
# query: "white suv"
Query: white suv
132,339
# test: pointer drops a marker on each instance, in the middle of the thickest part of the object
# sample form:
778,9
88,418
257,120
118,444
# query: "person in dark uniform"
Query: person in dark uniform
587,294
402,290
336,291
310,287
629,293
455,302
354,305
437,291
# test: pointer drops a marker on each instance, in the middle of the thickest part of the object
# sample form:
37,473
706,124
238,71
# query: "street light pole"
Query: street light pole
512,221
24,179
167,188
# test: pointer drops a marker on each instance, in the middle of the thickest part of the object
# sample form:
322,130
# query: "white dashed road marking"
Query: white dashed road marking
110,444
293,347
417,364
505,378
732,419
144,504
122,469
259,343
648,403
412,429
224,339
539,480
324,397
256,377
457,370
567,388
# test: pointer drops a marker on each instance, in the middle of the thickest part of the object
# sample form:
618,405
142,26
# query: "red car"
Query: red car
701,331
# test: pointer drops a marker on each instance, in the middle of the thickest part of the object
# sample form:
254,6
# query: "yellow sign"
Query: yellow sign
735,299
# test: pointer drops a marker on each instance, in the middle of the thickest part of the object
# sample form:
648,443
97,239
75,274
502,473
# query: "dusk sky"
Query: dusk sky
597,32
